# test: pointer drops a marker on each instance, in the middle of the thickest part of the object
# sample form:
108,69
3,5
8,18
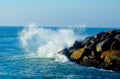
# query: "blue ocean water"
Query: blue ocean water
31,53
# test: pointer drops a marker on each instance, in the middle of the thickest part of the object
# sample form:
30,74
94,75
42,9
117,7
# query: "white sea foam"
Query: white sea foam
45,43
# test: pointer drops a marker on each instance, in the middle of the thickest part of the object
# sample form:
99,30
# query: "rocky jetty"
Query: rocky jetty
101,51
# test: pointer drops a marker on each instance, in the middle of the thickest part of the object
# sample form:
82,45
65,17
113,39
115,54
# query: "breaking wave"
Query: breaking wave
46,42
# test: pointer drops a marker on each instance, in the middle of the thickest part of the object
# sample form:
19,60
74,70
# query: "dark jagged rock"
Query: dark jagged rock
105,36
99,35
86,41
115,45
117,37
111,59
101,51
115,32
113,55
77,54
77,45
104,45
65,52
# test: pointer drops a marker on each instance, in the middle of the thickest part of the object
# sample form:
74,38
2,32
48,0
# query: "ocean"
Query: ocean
31,53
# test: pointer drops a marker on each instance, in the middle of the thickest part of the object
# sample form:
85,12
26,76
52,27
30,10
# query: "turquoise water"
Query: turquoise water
26,61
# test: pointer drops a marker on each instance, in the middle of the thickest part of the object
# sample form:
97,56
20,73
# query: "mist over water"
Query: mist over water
45,42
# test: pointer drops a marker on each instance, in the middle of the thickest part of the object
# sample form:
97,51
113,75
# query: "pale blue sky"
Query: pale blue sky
94,13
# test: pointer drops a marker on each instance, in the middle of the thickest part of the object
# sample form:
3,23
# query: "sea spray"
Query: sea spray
46,42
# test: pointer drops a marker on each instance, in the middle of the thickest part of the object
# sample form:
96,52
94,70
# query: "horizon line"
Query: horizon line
55,26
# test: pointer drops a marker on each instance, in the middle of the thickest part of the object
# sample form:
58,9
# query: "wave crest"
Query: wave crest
46,42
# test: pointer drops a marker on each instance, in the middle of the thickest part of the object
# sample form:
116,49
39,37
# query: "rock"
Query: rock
92,55
101,51
99,35
104,45
77,54
105,36
115,32
91,45
113,60
85,58
110,32
89,62
80,53
71,51
115,45
76,45
65,52
112,55
117,37
104,54
86,41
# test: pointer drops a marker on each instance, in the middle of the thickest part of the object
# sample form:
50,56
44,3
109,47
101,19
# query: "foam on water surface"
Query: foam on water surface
46,42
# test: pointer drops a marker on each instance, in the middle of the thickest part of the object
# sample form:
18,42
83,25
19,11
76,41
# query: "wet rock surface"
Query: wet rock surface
101,51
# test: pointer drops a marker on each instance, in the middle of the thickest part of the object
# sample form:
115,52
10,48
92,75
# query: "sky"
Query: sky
92,13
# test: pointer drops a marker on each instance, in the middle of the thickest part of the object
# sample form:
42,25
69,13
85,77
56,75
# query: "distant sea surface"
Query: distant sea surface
31,53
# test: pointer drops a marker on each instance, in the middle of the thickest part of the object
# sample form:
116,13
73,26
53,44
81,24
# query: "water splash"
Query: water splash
46,42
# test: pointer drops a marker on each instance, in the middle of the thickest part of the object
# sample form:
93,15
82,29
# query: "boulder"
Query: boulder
99,35
115,32
89,62
86,41
92,55
104,54
91,45
115,45
117,37
105,36
104,45
113,55
71,51
85,58
64,52
77,54
101,51
113,60
76,45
